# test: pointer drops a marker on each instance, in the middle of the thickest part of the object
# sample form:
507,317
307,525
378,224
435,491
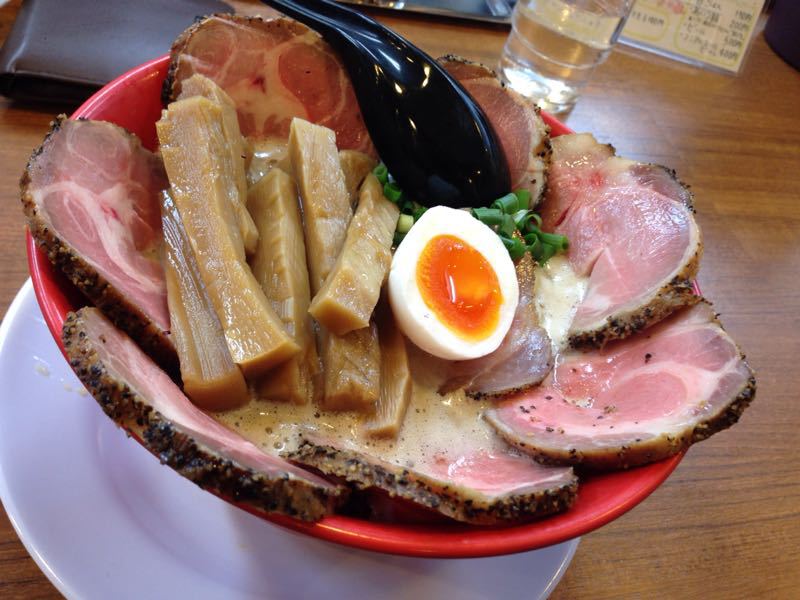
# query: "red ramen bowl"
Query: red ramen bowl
134,102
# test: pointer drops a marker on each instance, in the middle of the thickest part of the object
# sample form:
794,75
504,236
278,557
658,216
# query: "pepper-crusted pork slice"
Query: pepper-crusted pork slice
637,400
194,153
347,298
273,70
142,399
210,378
279,265
523,134
200,85
485,487
631,230
91,195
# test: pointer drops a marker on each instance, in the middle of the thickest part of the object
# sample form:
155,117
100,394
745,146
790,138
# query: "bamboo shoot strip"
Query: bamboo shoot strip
192,147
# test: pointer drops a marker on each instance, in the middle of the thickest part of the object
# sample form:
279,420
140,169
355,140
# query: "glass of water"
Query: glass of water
554,46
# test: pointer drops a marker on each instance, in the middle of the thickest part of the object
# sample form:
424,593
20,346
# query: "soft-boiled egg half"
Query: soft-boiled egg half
452,285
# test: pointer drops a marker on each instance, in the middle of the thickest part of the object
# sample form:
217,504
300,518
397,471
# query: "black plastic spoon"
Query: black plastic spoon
431,134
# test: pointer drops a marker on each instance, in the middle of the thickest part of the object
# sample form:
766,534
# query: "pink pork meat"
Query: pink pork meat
631,230
142,399
523,359
273,70
91,195
637,401
474,486
523,134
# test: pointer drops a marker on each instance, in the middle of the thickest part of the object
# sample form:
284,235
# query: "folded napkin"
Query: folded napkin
63,51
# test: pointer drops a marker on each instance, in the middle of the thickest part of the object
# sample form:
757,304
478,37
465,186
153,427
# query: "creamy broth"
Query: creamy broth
263,155
434,424
558,291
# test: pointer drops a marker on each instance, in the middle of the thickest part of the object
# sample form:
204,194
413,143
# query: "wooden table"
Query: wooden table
727,523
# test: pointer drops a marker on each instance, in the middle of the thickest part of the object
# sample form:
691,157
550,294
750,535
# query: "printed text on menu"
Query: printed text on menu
714,32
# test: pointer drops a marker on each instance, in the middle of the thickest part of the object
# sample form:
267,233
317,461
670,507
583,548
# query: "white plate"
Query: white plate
102,518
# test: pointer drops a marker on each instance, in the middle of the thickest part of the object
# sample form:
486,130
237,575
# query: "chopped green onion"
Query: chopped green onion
524,198
418,211
548,252
521,217
533,230
530,238
543,252
516,249
392,191
382,173
509,204
406,207
404,223
557,241
534,245
510,217
525,220
398,237
507,227
488,216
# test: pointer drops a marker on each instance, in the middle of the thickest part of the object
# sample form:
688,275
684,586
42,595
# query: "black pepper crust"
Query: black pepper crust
123,313
171,87
194,460
677,293
456,502
478,66
500,394
639,452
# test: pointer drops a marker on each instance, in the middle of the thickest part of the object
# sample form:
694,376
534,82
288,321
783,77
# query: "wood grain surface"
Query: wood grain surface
727,523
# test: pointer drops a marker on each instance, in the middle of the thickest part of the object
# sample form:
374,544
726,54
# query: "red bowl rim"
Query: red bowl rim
56,297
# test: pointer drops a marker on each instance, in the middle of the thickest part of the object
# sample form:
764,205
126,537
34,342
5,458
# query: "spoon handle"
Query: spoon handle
333,21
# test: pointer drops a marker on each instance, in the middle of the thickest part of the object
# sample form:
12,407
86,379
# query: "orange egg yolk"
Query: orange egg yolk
460,286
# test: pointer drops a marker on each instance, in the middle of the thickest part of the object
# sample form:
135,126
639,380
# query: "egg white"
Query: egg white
417,321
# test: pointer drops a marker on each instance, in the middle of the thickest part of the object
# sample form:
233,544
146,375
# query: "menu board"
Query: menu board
715,33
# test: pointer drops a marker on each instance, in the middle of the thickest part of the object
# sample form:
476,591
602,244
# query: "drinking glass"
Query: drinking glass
554,46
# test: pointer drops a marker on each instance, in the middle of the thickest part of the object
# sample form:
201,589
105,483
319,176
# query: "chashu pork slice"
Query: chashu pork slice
631,230
483,487
636,401
521,361
143,400
445,457
91,193
273,70
523,134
